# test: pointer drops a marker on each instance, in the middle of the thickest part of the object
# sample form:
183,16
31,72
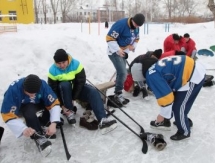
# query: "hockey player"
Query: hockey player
68,80
121,39
175,82
24,98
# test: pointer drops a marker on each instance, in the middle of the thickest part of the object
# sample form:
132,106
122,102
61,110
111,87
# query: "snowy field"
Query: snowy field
31,50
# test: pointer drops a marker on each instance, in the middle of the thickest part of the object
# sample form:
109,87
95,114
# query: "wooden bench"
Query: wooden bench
103,87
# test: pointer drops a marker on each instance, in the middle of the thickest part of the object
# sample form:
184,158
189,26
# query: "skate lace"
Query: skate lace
41,138
151,138
104,120
69,114
120,98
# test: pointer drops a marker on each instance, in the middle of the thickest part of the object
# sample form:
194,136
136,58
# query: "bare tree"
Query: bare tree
54,6
37,4
44,9
66,6
211,6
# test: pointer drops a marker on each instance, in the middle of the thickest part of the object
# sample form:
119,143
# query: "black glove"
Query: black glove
125,55
157,140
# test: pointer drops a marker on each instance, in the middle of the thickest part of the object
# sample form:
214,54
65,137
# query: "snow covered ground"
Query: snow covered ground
31,50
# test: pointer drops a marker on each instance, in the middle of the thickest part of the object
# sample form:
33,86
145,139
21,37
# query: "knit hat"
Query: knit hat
32,83
147,63
157,53
60,56
139,19
186,35
175,37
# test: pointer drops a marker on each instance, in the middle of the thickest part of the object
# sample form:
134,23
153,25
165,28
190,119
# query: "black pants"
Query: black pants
29,111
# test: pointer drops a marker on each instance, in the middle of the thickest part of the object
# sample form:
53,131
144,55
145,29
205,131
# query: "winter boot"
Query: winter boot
1,133
44,146
145,93
107,125
88,121
164,125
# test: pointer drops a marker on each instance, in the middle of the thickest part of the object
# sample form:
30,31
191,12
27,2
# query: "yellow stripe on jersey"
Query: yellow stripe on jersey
166,100
8,116
109,38
188,70
56,102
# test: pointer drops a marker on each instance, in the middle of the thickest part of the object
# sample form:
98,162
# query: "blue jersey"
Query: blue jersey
14,97
168,75
122,33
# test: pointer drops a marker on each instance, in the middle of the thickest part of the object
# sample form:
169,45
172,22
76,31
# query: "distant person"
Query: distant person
25,97
175,82
121,39
174,42
67,78
106,24
190,48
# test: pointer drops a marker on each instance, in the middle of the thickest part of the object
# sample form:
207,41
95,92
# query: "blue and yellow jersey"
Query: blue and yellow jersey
14,97
168,75
122,33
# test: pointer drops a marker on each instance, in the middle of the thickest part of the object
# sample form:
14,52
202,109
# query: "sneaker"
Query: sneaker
190,121
179,136
70,116
164,125
120,99
43,145
107,125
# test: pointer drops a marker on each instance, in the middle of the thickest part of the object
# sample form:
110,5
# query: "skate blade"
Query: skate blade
46,151
108,129
161,128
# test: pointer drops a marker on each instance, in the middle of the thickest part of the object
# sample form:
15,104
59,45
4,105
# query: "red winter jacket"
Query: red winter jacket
190,46
170,45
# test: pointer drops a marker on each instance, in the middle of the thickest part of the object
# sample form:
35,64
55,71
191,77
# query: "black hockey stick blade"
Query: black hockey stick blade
145,146
64,143
1,132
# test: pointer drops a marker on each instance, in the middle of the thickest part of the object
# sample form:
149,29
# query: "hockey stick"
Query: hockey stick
64,143
145,146
1,132
141,128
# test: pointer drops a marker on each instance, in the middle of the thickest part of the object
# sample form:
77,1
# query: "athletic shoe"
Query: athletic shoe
179,136
190,121
107,125
44,146
164,125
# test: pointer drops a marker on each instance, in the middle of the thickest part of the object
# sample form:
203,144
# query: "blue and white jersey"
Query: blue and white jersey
14,97
170,74
121,35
